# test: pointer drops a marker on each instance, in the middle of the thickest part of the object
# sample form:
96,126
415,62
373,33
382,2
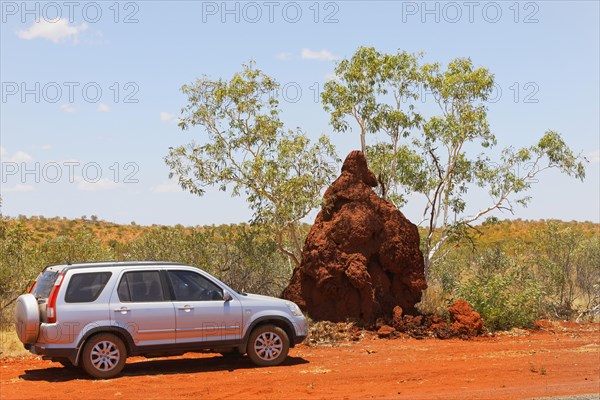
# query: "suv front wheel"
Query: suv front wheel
104,356
268,345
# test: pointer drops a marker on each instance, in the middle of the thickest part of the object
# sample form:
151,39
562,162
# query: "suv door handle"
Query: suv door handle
186,308
122,310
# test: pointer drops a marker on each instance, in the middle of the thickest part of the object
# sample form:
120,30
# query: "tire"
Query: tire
268,345
27,318
103,356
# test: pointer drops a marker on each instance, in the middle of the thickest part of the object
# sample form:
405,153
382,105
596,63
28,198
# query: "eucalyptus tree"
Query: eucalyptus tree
441,155
373,89
243,146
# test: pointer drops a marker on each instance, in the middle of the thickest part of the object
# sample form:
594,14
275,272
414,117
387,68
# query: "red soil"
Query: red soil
558,360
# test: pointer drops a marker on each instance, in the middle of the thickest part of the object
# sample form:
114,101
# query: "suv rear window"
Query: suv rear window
44,283
86,287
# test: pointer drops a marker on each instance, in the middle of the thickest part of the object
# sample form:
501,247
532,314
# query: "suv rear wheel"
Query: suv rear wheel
268,345
104,356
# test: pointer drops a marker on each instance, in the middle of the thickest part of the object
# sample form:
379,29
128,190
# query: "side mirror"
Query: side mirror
227,297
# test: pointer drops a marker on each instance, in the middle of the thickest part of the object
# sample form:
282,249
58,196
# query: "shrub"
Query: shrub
504,292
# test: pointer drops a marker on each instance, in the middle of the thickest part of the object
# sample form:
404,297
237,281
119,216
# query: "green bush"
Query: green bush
552,272
19,265
503,291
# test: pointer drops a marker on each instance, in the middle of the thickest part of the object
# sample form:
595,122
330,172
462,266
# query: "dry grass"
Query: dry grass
514,332
326,333
434,301
11,345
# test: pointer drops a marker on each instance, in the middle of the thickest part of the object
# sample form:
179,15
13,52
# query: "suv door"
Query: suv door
201,313
141,305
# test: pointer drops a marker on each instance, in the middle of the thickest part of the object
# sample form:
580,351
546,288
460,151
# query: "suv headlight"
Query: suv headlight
294,309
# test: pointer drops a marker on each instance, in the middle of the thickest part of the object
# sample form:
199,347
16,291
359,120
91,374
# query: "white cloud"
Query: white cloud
593,156
170,187
103,107
18,157
46,146
94,186
55,31
67,108
283,56
168,117
165,116
19,187
322,55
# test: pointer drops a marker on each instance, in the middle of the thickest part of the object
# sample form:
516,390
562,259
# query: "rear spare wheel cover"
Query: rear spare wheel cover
27,318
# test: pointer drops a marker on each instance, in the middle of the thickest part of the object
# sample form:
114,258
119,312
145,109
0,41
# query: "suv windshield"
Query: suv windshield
44,284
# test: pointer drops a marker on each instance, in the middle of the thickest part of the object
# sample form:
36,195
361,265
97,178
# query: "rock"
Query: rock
397,319
417,320
443,332
434,322
385,331
380,322
361,257
414,327
465,321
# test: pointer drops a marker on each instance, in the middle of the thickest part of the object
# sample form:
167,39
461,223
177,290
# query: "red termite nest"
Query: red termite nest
361,257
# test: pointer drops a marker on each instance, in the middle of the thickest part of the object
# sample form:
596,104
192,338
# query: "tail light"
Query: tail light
51,306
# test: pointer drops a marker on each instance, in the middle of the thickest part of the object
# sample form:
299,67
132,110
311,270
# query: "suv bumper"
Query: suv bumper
52,353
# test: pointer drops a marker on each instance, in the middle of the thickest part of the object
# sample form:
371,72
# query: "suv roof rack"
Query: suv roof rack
72,265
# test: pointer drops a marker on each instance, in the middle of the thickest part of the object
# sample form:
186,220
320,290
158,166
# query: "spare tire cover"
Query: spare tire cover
27,318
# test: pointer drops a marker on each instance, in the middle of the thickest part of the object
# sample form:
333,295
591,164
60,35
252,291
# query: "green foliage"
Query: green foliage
167,243
506,294
18,263
81,245
513,272
400,167
568,265
238,258
245,257
587,269
246,148
21,258
372,89
442,155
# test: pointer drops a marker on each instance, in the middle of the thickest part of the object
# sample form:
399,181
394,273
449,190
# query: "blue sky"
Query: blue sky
91,91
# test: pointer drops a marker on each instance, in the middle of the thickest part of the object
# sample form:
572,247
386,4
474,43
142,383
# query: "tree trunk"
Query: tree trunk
363,144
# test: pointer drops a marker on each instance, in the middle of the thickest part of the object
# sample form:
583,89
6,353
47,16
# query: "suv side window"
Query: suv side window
191,286
140,286
86,287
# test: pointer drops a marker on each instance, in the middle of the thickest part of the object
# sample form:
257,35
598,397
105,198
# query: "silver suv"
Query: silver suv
95,315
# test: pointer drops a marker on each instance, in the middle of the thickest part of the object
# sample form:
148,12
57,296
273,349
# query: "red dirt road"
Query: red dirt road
558,360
